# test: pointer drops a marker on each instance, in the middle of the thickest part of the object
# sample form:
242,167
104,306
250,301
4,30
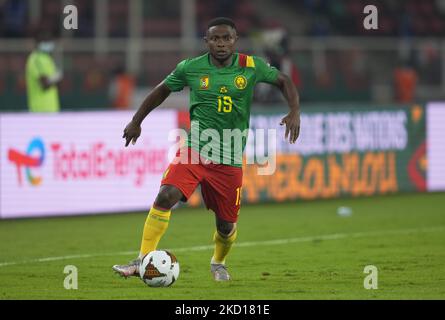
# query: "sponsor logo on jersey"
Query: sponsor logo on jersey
223,90
204,82
241,82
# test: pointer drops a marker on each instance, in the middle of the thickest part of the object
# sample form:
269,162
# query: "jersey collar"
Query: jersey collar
234,61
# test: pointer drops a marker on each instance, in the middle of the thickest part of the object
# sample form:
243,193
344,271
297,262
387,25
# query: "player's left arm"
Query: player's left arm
290,93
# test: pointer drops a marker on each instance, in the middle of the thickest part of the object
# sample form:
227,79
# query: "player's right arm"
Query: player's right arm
151,102
174,82
271,75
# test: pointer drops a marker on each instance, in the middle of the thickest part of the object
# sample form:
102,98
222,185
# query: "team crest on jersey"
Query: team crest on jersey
241,82
204,82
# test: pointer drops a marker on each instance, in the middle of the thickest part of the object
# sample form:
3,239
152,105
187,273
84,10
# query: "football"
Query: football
159,269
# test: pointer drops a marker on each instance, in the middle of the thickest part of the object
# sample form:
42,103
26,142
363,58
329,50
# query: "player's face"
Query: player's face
221,41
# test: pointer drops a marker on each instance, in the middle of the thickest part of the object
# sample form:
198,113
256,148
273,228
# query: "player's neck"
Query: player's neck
221,64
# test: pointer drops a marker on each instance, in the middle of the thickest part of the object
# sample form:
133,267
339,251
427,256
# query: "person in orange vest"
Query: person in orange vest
122,89
405,80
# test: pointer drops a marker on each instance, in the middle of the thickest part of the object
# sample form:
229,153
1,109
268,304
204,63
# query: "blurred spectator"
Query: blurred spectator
86,19
277,52
225,8
42,77
405,79
320,27
429,63
14,17
279,57
406,24
396,17
121,89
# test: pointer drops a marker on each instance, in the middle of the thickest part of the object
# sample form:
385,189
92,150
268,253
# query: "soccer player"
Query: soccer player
221,88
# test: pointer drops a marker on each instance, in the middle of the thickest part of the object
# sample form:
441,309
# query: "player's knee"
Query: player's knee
225,229
167,197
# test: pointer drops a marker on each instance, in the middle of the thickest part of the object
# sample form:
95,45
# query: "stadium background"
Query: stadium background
366,130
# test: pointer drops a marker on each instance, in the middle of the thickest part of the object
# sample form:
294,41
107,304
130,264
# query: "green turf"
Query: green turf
402,235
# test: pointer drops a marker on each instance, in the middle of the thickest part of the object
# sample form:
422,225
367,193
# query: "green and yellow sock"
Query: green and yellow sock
222,247
154,228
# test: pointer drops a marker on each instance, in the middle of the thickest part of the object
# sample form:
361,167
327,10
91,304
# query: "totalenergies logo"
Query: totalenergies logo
33,158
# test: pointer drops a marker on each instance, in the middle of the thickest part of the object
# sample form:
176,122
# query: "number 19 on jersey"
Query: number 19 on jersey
225,104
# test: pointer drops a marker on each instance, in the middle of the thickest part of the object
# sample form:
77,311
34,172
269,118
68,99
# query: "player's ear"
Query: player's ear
235,36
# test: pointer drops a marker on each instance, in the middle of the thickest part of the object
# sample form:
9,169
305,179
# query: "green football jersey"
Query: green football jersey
220,100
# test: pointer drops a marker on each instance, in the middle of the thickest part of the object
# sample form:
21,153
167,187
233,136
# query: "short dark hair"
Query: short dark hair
221,21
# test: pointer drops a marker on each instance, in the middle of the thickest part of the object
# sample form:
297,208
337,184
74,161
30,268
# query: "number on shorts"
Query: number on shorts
238,196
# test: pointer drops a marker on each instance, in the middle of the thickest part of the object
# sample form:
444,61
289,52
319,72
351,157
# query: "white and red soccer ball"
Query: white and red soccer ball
159,269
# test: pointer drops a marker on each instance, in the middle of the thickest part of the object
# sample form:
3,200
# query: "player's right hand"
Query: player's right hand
132,133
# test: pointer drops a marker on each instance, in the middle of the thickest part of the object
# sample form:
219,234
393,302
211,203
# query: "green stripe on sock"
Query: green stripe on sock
159,218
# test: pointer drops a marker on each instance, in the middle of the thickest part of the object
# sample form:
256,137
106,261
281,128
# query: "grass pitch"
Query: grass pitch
298,250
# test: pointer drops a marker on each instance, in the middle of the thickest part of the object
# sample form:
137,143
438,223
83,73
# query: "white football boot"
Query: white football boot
128,270
219,272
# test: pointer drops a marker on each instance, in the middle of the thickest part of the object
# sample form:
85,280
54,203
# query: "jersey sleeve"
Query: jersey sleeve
265,72
176,81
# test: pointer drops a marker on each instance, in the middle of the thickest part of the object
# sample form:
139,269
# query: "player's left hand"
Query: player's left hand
292,122
131,133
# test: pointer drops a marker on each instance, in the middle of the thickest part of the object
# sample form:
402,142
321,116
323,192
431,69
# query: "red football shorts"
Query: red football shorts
220,184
